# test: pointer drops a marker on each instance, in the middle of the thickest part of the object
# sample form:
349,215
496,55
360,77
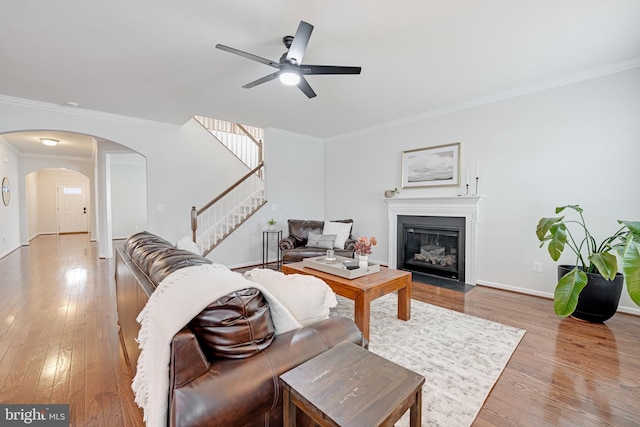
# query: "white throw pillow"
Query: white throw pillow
306,297
188,245
342,230
322,241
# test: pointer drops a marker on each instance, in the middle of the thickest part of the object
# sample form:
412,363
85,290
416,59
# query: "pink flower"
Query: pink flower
363,245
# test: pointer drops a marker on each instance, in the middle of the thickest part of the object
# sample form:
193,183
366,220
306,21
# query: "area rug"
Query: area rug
460,356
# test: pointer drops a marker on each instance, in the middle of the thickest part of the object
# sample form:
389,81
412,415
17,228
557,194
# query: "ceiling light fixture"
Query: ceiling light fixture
50,142
289,78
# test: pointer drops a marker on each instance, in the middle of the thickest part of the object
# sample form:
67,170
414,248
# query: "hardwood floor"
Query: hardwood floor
59,333
59,344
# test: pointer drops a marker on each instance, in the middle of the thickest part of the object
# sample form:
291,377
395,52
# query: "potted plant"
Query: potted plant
271,224
595,273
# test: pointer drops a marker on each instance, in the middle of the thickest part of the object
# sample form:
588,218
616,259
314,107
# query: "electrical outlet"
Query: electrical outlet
537,267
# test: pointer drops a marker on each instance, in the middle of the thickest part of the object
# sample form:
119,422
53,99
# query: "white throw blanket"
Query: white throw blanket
179,298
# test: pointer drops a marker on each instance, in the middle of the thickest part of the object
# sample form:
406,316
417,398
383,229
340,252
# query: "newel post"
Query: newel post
194,222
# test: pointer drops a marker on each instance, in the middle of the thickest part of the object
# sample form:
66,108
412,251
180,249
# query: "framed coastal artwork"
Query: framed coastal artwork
431,166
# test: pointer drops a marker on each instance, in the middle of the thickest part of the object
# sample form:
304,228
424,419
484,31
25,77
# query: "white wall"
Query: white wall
9,215
576,144
31,203
128,194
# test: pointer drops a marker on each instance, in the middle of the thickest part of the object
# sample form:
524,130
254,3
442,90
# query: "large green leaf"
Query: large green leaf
606,263
567,291
544,225
576,208
631,267
633,226
558,240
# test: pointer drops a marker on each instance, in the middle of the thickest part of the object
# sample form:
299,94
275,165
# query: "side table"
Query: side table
267,237
350,386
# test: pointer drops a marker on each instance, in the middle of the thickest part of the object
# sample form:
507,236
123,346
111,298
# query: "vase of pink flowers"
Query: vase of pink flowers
363,250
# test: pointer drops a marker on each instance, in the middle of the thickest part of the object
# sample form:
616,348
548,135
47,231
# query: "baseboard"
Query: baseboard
9,251
547,295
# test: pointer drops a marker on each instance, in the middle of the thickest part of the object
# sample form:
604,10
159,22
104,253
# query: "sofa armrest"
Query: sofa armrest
287,243
350,243
187,359
244,391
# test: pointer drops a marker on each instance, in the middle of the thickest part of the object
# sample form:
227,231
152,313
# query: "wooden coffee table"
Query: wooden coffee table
365,289
350,386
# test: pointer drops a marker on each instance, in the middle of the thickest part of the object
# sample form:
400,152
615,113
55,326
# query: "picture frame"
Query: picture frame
431,166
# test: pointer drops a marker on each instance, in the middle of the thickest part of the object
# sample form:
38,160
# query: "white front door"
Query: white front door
72,208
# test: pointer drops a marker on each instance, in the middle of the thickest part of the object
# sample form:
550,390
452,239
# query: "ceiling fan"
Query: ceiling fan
291,71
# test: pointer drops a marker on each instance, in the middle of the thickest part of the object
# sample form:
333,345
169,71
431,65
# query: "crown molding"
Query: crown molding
606,70
82,112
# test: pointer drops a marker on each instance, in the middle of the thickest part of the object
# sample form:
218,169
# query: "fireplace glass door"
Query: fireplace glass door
432,245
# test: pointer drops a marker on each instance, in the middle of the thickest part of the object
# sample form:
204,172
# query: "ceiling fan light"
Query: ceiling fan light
289,78
50,142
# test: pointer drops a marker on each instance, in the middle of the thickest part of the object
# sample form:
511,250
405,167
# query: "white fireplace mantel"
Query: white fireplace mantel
466,207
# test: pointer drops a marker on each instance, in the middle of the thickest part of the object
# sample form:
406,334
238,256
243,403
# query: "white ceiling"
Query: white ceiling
157,59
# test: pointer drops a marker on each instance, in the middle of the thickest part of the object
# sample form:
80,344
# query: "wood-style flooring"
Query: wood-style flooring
59,344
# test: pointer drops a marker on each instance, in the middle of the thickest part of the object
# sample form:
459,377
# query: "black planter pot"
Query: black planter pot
599,300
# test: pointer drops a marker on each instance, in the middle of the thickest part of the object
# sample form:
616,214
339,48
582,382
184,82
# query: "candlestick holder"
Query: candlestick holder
477,179
467,192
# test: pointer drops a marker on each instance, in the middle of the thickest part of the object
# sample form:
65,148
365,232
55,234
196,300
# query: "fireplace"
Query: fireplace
449,216
432,245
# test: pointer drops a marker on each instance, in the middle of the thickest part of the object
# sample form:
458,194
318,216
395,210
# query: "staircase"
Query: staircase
243,141
216,220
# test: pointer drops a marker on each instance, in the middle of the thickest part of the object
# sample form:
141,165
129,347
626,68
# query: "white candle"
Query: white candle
478,169
467,176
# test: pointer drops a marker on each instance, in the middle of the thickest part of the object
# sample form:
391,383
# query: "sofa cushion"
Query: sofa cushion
306,297
321,241
141,238
342,230
235,326
168,262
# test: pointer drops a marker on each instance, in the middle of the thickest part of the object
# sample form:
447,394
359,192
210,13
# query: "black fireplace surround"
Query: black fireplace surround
432,245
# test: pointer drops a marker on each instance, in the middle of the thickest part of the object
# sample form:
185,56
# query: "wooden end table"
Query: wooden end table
350,386
364,289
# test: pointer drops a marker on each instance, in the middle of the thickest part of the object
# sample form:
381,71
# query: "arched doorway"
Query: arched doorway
115,177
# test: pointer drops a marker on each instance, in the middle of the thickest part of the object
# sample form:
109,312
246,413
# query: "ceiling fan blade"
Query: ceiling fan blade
306,88
328,69
262,80
248,55
299,43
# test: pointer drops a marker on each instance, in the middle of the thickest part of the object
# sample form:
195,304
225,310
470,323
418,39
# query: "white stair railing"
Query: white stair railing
212,223
242,140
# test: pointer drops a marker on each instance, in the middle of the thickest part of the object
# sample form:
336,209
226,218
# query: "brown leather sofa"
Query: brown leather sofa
233,382
294,247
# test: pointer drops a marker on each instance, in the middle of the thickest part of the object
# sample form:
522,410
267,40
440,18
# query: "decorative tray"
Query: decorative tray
336,267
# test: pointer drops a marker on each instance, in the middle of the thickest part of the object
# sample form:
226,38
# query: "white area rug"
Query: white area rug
460,356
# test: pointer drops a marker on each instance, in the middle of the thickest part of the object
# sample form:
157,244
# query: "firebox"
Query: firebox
432,245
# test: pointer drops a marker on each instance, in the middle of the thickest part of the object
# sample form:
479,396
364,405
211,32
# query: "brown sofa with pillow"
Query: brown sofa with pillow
225,364
309,238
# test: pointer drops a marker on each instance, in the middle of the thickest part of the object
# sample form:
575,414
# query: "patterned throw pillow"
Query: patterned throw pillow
324,241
